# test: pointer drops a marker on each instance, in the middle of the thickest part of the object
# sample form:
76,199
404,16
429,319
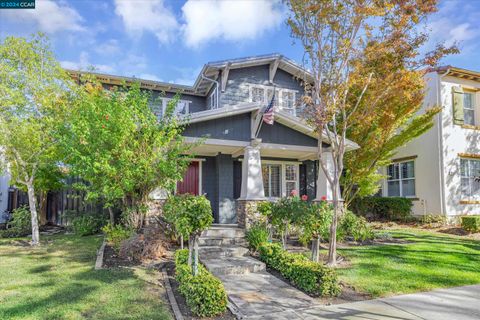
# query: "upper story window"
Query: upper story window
182,107
401,179
470,178
465,106
284,98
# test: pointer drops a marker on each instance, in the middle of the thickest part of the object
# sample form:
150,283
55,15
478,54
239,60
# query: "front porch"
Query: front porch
236,175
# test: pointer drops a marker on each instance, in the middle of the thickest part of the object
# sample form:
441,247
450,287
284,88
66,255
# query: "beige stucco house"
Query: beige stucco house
440,170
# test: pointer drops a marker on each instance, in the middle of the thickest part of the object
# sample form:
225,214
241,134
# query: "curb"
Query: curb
171,297
99,261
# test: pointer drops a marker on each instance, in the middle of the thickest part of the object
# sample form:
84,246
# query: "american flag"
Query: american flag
268,113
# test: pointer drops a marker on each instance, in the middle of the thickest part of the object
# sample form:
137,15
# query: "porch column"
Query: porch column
323,186
251,191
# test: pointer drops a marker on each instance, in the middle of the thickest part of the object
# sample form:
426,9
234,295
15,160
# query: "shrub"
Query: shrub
204,294
256,236
115,234
307,275
354,226
88,224
471,223
383,208
20,225
434,220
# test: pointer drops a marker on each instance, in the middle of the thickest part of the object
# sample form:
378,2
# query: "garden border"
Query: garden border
171,297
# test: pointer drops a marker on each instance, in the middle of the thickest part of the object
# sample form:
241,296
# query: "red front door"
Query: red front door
190,181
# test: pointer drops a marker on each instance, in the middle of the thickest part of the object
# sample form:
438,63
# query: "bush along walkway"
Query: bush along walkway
251,290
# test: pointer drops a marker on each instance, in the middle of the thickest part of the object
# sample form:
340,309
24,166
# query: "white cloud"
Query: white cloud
49,16
147,15
206,20
462,32
84,63
108,48
149,76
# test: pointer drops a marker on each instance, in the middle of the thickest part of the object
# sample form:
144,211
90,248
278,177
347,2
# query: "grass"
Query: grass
430,261
58,281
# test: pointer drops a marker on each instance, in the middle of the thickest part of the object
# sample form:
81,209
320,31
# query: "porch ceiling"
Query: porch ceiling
212,147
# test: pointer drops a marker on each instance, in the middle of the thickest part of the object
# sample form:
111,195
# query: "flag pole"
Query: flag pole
261,121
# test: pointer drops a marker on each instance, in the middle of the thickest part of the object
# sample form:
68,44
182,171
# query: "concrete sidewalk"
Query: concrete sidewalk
461,303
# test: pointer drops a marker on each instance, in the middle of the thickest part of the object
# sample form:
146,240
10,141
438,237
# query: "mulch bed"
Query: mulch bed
112,260
182,304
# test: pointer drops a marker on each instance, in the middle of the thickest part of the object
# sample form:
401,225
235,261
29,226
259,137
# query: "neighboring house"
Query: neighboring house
243,160
440,170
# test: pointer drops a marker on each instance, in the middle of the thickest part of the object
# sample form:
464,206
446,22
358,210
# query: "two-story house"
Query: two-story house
440,170
241,159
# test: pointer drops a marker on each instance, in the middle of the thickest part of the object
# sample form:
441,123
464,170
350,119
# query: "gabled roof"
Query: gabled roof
211,70
282,117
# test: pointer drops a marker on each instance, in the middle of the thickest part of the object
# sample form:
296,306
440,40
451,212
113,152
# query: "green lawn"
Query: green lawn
57,281
432,261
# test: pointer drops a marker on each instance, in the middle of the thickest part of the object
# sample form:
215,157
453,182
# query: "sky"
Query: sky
170,40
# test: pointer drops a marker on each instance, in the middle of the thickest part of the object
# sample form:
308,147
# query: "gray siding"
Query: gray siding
197,103
209,183
278,133
237,89
226,202
229,128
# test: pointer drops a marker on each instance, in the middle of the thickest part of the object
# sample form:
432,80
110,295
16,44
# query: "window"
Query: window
258,94
284,98
272,180
469,108
279,179
470,178
288,101
401,179
213,99
182,107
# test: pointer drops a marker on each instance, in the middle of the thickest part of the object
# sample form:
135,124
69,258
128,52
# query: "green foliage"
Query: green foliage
188,214
115,142
315,221
256,236
354,226
115,234
265,208
307,275
204,294
433,220
20,224
88,224
471,223
383,208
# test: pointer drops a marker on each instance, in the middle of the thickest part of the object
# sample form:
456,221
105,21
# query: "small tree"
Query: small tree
34,92
190,216
117,145
315,223
284,213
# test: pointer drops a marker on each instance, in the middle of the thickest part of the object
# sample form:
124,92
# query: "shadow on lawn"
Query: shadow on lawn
62,262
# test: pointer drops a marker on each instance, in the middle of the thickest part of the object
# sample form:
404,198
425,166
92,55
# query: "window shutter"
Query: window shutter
457,94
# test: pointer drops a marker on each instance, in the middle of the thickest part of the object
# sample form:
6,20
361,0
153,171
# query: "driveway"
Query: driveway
461,303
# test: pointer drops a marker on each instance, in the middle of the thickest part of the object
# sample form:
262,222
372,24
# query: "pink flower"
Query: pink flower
294,193
304,197
324,198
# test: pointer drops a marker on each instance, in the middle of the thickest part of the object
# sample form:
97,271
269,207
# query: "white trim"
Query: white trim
279,98
401,179
165,101
219,142
200,177
213,98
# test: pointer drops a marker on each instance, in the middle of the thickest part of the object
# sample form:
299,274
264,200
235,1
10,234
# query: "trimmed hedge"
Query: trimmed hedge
204,294
471,223
307,275
383,208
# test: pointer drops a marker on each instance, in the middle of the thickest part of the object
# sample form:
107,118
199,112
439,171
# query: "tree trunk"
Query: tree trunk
195,256
190,250
32,203
112,216
316,249
332,246
181,242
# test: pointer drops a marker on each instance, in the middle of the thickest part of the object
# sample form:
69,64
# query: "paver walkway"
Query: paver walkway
461,303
